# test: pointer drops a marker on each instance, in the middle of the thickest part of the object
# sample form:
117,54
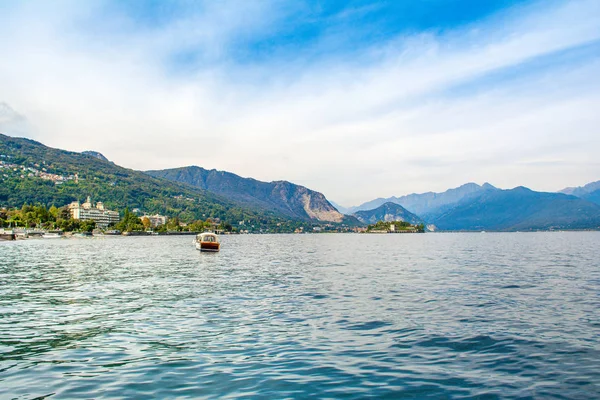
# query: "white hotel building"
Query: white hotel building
86,211
156,220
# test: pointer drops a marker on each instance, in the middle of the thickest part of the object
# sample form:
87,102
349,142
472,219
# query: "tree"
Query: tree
129,223
87,225
173,224
54,212
146,222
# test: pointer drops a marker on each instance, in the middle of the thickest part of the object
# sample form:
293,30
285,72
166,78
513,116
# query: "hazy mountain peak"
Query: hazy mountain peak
589,192
519,208
588,188
387,212
425,203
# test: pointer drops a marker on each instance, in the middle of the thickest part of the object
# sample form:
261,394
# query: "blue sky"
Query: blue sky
356,99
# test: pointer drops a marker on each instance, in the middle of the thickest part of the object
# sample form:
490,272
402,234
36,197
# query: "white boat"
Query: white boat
7,234
52,235
207,241
83,234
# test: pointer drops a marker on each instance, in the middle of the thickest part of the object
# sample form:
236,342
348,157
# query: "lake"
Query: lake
436,315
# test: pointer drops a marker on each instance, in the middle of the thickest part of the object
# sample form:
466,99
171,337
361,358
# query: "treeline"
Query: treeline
38,216
131,223
54,218
398,226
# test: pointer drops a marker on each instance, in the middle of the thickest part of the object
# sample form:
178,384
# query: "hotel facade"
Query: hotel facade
98,213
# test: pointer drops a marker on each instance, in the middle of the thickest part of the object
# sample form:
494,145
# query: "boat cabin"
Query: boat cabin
207,241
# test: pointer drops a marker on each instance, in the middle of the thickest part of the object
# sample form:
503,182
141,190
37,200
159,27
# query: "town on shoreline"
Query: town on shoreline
89,219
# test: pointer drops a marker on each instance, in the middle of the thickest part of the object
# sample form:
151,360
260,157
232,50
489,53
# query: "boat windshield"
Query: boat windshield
208,238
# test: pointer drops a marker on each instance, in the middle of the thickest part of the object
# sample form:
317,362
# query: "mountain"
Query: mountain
340,208
91,153
387,212
426,203
589,192
292,200
32,173
520,209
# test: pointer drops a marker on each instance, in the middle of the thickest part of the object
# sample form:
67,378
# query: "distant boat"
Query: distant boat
83,234
7,235
207,241
53,235
112,232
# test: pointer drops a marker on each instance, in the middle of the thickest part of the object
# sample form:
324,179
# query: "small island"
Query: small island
395,227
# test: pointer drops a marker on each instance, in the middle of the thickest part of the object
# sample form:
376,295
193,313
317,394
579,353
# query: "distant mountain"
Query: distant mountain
520,209
292,200
387,212
589,192
340,208
594,197
426,203
32,173
95,154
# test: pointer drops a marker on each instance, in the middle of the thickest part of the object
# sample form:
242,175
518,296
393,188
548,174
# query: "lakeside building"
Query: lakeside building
98,213
156,220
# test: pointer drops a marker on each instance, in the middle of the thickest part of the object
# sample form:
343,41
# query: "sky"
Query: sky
355,99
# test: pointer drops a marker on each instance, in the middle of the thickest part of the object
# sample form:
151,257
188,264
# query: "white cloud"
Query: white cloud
387,121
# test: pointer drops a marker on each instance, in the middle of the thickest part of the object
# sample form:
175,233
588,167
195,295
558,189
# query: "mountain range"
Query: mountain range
589,192
424,203
32,173
519,209
485,207
294,201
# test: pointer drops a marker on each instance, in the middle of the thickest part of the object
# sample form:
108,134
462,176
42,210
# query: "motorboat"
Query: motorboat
7,234
207,241
53,235
82,234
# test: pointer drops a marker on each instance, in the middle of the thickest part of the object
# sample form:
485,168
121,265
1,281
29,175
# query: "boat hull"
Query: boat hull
52,236
208,246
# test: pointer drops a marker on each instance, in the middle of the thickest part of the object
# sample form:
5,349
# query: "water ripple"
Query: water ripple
299,316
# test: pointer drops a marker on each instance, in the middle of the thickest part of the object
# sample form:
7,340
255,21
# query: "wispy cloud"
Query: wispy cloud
509,99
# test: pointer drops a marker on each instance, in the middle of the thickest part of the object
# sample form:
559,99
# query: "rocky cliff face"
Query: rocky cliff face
281,196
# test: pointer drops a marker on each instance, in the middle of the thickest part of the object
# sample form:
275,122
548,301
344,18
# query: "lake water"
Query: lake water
496,315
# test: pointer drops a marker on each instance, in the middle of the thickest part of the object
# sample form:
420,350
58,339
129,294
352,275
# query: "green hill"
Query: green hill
31,173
